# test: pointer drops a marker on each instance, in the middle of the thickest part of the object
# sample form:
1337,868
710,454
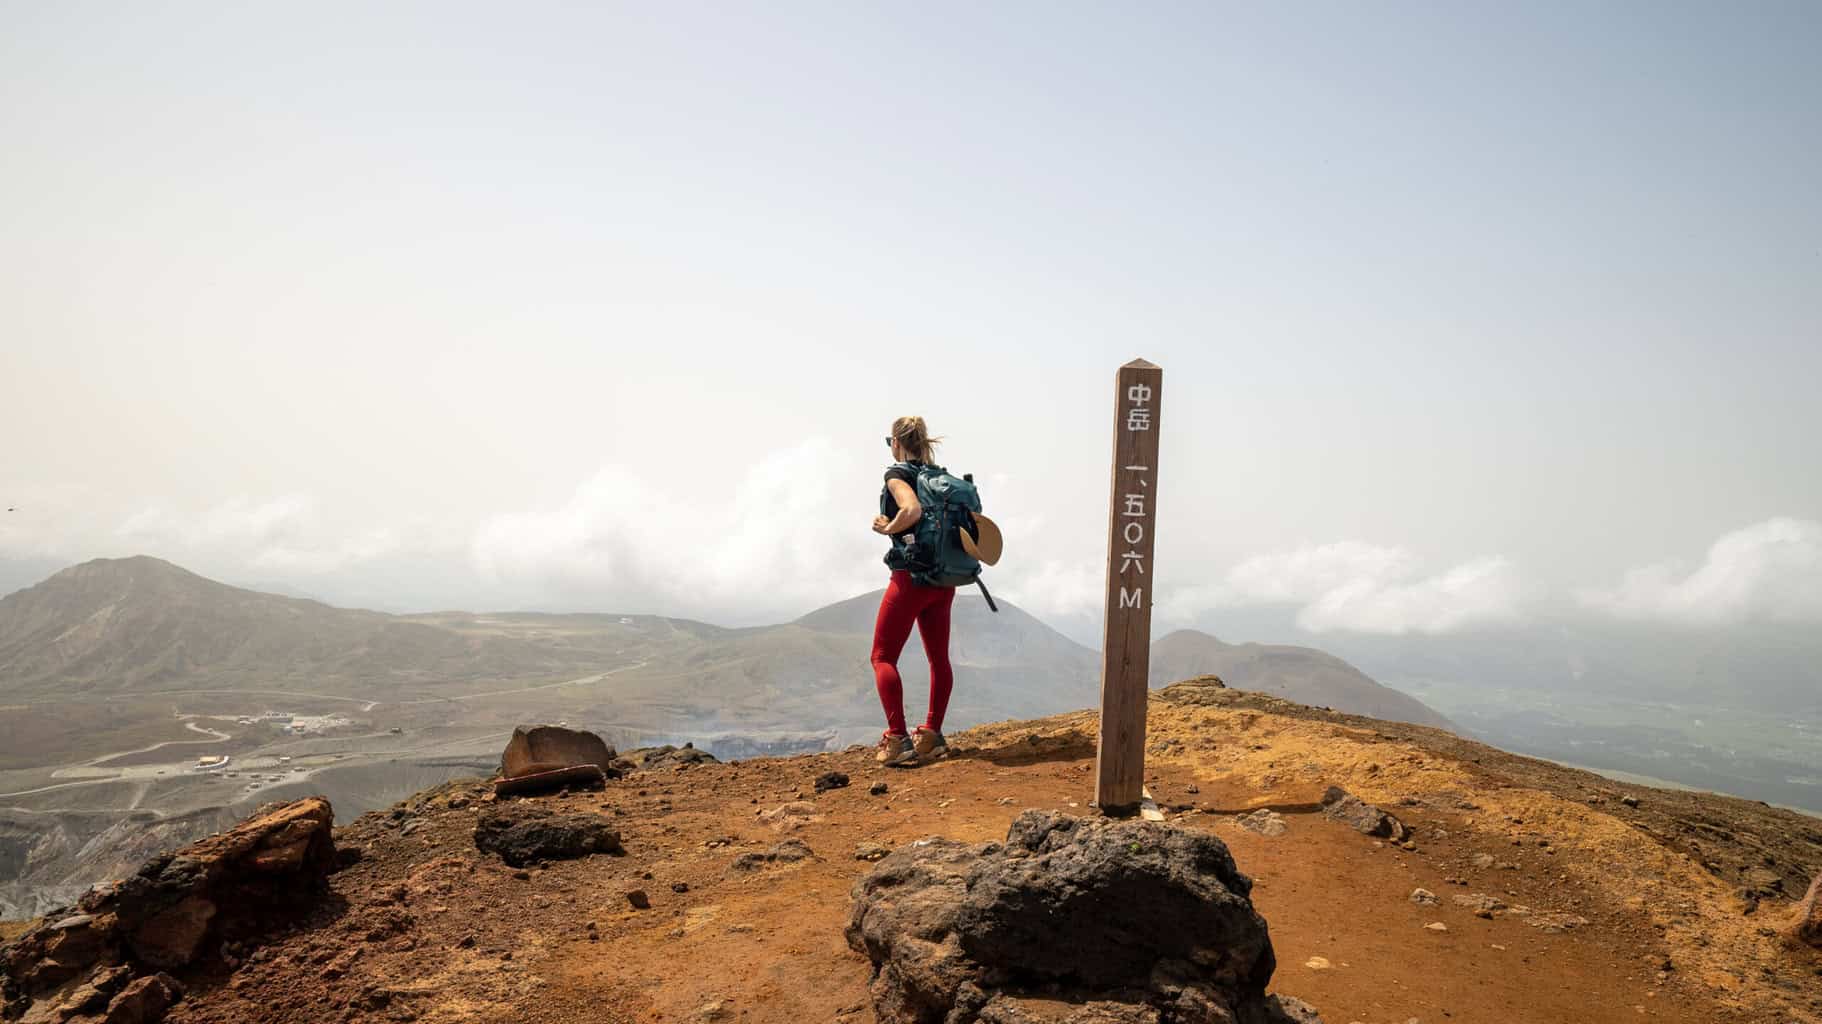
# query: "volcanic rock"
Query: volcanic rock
144,1001
831,780
51,954
1362,817
542,748
540,758
523,835
264,872
1479,901
1263,821
667,756
1125,921
93,995
788,852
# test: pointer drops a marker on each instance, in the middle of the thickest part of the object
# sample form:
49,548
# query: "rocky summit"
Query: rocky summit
1440,881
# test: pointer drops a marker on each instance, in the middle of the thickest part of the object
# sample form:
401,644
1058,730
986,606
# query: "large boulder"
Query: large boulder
1120,921
541,748
541,758
264,872
523,835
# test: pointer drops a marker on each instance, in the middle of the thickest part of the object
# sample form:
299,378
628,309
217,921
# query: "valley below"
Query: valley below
1750,753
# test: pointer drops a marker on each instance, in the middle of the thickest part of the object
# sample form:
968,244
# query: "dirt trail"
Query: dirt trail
214,736
588,680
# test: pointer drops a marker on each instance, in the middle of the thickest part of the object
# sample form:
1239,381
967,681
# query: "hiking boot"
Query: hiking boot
895,750
929,744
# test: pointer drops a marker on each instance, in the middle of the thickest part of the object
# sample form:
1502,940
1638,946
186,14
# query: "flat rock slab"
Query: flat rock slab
1263,821
522,835
788,852
580,776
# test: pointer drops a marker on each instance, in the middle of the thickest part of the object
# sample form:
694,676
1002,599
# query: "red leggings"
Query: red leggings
904,603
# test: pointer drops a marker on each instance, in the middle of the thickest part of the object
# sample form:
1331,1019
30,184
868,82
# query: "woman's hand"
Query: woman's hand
880,523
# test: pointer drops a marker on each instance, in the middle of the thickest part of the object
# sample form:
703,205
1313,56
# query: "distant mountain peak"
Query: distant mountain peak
129,562
1198,634
124,623
128,569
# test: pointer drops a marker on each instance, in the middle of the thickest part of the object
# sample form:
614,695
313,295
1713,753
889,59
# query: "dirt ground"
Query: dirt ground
1599,919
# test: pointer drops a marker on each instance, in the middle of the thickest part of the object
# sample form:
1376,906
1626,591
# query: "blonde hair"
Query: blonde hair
914,437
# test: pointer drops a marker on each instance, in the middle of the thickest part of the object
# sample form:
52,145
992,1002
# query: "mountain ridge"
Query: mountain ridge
139,624
1307,675
118,675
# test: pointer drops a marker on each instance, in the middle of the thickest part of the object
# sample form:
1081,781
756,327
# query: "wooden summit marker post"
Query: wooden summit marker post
1126,640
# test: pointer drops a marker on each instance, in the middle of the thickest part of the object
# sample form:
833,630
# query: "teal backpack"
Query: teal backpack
934,555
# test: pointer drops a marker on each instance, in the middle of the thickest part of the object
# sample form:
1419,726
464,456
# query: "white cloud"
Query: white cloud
1365,588
764,549
1054,590
1769,571
285,534
1485,590
1310,573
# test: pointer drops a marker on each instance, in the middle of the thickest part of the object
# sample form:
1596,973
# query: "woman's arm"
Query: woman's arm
909,511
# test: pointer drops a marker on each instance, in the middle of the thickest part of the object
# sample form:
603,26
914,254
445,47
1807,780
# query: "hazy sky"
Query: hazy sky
1466,312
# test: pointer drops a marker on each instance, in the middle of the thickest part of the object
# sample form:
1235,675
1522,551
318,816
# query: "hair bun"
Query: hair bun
914,437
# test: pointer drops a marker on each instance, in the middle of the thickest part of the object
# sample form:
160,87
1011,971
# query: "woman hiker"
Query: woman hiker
906,602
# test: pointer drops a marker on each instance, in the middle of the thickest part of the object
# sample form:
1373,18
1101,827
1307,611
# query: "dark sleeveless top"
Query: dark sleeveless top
888,505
